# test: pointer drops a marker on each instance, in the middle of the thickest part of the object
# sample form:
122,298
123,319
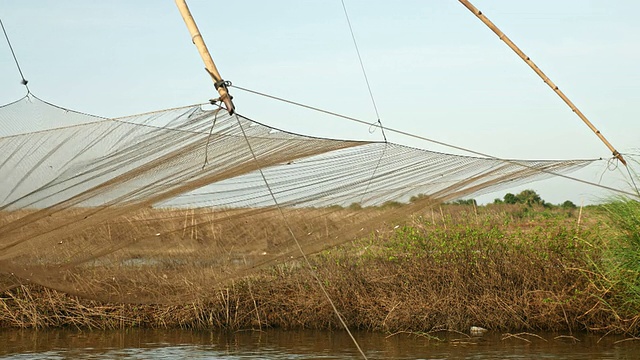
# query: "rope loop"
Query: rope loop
373,127
613,163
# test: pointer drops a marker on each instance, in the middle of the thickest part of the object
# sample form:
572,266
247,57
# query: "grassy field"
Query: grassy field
502,267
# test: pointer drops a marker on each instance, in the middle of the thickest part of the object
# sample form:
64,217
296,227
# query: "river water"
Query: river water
276,344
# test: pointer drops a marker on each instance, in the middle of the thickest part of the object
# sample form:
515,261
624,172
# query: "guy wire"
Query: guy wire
633,182
373,101
206,148
304,255
364,72
24,81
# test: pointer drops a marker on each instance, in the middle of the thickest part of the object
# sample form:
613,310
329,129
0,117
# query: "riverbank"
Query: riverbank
503,267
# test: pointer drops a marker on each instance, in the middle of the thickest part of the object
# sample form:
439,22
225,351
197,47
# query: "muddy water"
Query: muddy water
274,344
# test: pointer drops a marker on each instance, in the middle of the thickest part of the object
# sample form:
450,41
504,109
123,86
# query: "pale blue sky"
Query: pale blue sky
434,68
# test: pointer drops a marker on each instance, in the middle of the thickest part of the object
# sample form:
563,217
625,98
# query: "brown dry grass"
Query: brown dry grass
506,268
162,255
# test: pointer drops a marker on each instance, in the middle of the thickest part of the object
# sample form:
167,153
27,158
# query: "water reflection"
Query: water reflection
275,344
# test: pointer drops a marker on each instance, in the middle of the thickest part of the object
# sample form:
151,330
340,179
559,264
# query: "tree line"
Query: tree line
526,197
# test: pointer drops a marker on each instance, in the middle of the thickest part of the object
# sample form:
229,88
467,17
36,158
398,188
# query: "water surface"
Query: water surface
277,344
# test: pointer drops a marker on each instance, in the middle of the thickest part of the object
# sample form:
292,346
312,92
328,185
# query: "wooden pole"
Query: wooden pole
544,77
206,56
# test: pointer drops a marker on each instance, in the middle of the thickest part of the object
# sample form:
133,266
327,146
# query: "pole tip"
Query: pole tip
618,156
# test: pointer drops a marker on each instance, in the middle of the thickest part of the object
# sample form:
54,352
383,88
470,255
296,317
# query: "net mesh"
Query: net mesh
167,206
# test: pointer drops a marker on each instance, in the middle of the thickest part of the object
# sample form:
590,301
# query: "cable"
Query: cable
24,81
304,256
373,101
435,141
364,72
633,182
612,165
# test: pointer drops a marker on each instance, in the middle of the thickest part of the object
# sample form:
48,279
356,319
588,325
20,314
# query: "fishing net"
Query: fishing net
167,206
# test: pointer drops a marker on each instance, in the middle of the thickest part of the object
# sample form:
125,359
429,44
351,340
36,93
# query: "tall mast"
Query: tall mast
542,75
210,66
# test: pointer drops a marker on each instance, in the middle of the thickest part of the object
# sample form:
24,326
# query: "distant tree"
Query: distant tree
465,202
529,197
568,205
391,204
355,206
509,198
418,197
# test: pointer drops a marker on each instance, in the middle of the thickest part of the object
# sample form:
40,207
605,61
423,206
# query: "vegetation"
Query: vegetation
515,265
619,268
527,197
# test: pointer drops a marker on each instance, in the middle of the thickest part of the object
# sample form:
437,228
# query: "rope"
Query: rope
304,255
435,141
24,81
375,171
612,165
633,182
364,72
206,148
373,101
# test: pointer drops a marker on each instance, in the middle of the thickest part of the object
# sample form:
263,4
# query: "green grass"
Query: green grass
621,256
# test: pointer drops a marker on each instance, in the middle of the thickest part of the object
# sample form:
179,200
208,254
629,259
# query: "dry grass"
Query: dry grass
164,255
505,268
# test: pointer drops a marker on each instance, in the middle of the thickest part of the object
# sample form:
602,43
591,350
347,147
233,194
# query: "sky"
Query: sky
435,70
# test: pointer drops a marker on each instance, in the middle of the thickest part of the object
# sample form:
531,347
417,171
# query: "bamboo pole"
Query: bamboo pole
210,66
544,77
